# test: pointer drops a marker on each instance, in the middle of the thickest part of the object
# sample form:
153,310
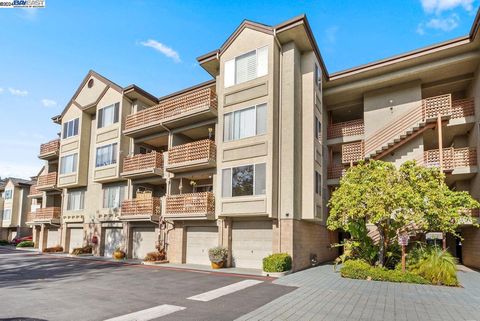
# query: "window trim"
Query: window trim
253,185
116,115
3,214
75,170
82,200
112,154
254,120
10,194
122,195
256,66
64,133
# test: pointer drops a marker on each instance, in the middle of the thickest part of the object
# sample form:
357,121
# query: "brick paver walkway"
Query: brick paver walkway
324,295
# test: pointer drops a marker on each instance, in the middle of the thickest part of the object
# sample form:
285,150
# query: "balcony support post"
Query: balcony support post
440,142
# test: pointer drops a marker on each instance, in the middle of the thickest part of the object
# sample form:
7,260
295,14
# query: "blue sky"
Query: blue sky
45,53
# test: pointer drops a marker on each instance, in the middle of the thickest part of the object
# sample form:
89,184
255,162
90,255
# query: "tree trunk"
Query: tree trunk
381,252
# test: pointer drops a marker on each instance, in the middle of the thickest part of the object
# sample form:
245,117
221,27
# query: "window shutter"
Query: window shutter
65,126
229,76
262,61
115,115
100,118
75,129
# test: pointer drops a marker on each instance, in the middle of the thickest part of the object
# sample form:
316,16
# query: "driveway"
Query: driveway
323,295
48,287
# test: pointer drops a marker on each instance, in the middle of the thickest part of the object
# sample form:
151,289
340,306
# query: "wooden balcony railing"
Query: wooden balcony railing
136,206
344,129
352,152
430,109
47,180
34,190
335,171
143,161
172,107
452,158
43,214
200,150
52,147
190,204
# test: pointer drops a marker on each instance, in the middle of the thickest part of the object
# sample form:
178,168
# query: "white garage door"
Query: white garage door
76,238
144,240
113,240
199,240
53,237
251,242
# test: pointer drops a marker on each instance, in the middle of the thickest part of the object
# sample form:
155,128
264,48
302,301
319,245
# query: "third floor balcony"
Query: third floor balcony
193,106
47,182
50,150
192,156
143,165
46,214
346,129
452,158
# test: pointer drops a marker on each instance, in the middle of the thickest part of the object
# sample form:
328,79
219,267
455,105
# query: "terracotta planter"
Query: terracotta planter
218,265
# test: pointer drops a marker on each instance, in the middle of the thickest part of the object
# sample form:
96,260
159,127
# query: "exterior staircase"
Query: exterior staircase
411,124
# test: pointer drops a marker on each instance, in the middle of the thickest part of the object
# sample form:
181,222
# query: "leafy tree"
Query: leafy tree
409,199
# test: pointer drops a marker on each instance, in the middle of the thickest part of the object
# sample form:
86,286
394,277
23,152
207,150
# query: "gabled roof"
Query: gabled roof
18,181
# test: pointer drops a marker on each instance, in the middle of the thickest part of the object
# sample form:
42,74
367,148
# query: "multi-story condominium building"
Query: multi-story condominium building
248,160
14,207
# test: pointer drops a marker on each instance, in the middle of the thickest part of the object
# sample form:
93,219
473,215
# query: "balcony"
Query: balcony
143,165
193,106
445,106
345,129
352,152
34,192
141,209
192,156
453,158
190,206
45,215
335,171
47,182
50,150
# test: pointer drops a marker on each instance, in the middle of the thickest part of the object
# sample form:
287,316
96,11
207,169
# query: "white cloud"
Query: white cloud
49,103
331,34
442,24
438,6
160,47
14,169
17,92
1,90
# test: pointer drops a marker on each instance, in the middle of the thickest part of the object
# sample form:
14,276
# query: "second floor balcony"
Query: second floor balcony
452,158
193,106
141,209
353,152
45,215
143,165
50,150
349,128
34,192
47,182
335,171
190,205
192,156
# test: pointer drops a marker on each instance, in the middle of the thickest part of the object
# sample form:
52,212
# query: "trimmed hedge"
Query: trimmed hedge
25,244
357,269
278,262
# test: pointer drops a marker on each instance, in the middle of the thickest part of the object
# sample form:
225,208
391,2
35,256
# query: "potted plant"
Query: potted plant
118,254
277,265
218,256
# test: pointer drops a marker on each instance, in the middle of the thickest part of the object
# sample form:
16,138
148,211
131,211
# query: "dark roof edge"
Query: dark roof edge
198,86
141,91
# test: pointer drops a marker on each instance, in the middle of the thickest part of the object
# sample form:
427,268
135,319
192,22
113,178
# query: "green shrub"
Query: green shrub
4,242
278,262
25,244
217,254
433,264
357,269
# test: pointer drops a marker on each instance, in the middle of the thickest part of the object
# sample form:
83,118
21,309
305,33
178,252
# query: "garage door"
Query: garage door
76,238
199,240
143,241
113,240
53,237
251,242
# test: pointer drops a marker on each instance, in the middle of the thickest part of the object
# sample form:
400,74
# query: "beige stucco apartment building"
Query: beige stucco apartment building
248,160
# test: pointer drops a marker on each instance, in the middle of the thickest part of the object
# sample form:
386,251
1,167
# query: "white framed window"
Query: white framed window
108,115
247,122
248,66
7,194
68,164
244,180
318,183
106,155
7,214
70,128
113,196
318,129
75,200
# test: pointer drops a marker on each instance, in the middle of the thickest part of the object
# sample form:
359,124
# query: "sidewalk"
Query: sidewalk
324,295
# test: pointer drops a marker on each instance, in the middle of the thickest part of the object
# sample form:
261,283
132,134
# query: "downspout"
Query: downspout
279,214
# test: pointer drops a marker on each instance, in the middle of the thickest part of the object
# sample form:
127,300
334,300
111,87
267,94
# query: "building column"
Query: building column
42,243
